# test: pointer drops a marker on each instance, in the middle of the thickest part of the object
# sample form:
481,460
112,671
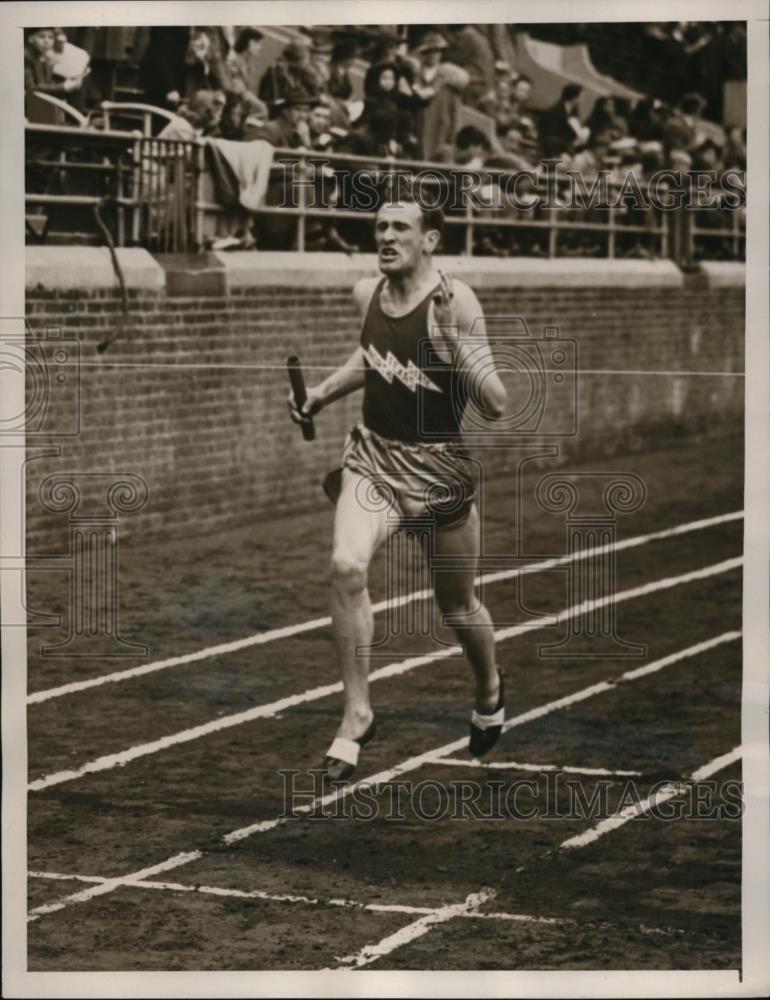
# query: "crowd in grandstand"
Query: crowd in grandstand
418,84
215,81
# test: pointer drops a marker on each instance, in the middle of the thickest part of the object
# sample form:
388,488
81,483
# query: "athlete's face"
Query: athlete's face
401,238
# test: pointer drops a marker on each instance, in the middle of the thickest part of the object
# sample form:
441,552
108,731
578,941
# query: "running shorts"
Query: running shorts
419,481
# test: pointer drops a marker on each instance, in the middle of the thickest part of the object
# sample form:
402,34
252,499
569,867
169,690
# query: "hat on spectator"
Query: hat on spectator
431,41
344,50
295,96
652,146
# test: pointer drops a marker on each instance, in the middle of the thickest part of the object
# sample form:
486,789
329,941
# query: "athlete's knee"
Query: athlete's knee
457,604
348,574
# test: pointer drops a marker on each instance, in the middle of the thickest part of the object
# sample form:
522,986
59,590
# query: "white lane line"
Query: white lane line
410,764
658,796
510,765
269,897
372,952
123,757
110,884
275,634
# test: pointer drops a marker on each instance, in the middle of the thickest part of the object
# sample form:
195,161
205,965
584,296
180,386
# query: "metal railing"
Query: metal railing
156,193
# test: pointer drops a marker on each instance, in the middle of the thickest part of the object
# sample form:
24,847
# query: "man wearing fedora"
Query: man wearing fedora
290,127
441,84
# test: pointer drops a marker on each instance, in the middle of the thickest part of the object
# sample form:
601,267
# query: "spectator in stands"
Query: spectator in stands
645,120
560,127
470,149
243,62
735,148
242,116
108,48
500,105
606,119
69,62
708,156
201,72
514,153
392,49
691,109
385,89
340,85
375,137
440,84
530,137
196,117
471,49
162,69
593,158
293,72
38,67
522,90
256,118
290,128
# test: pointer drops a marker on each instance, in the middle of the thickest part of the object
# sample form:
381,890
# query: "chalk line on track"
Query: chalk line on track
669,791
272,635
372,952
123,757
270,897
404,935
410,764
510,765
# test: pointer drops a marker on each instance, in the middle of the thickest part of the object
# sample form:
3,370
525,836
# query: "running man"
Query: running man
409,443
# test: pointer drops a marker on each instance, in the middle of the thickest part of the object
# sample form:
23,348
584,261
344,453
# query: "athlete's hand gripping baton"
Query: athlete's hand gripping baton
297,380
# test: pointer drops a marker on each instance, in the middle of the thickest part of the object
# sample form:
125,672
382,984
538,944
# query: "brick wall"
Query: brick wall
191,396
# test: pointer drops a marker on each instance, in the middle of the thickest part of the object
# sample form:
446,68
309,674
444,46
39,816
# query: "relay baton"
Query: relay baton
297,380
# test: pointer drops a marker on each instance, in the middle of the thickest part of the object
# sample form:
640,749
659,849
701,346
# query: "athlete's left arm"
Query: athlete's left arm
458,314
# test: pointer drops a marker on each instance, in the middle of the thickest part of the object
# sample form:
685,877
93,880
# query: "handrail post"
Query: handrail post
301,218
136,190
199,166
469,232
611,231
552,231
120,209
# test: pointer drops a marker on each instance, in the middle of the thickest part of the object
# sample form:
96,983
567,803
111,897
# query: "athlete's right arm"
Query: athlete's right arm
344,380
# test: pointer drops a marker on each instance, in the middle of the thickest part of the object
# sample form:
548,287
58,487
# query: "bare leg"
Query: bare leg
358,533
456,597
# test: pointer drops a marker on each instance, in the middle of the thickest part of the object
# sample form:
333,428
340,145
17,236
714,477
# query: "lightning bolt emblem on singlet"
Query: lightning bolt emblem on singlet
390,367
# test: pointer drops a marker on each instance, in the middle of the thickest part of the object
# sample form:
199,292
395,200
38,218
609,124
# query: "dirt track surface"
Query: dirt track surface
655,893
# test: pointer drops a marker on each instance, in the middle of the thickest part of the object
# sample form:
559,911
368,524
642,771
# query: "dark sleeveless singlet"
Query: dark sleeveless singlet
410,393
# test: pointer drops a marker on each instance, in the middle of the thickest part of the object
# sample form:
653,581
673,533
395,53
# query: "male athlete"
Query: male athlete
409,445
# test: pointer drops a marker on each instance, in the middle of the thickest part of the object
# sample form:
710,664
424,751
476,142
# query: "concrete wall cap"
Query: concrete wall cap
254,268
90,268
724,273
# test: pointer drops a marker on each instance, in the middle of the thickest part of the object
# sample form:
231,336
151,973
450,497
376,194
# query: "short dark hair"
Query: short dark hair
471,136
571,91
432,218
246,36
